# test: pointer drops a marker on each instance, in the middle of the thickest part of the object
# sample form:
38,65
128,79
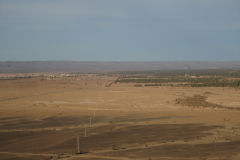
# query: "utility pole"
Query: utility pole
85,131
78,148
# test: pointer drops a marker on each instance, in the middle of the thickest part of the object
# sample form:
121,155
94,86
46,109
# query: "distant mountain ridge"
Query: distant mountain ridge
100,66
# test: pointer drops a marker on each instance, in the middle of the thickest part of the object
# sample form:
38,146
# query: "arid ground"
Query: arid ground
43,119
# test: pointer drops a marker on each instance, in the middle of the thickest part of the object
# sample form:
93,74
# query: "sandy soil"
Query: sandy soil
41,119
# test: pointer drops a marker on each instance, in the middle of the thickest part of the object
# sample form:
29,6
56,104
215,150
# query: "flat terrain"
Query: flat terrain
115,119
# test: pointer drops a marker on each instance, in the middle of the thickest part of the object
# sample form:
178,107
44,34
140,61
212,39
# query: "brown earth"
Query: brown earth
41,119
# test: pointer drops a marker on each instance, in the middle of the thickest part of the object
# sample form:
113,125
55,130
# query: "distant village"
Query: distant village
43,76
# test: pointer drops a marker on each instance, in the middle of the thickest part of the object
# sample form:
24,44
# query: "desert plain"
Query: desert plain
100,117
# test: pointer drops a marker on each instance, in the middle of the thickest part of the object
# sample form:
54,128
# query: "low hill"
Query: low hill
98,66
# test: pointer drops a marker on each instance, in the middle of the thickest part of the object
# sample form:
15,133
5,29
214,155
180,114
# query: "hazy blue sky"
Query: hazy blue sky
119,30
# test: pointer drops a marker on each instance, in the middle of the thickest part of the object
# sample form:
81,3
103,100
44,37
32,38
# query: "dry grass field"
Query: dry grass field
40,119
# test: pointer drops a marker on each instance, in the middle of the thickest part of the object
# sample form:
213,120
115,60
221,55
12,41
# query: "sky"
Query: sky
120,30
